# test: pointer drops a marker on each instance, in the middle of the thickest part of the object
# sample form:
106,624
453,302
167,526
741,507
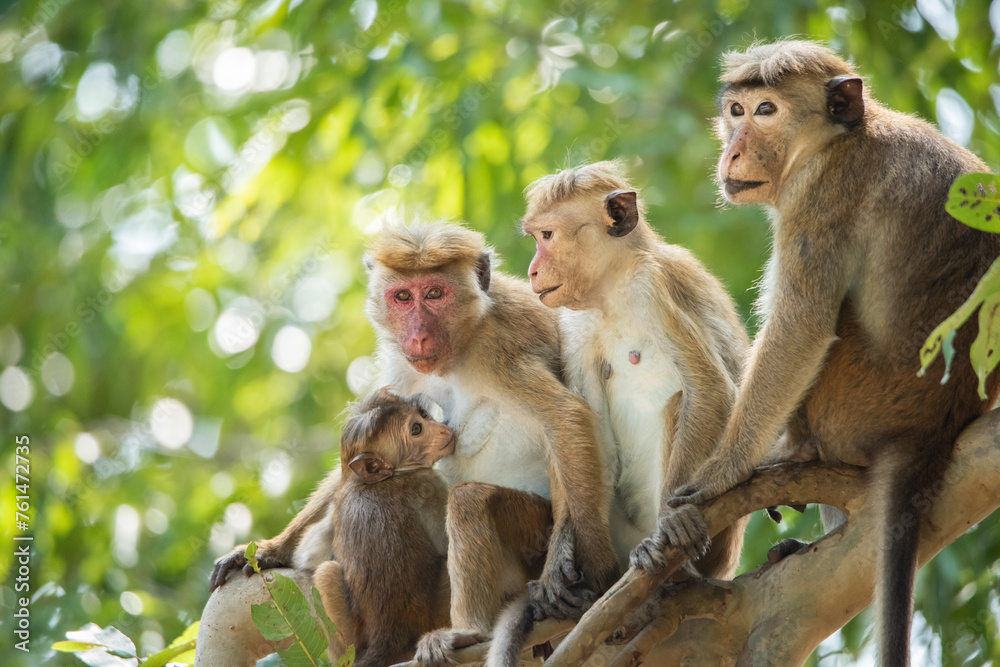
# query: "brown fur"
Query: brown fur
419,247
506,365
866,262
676,310
389,536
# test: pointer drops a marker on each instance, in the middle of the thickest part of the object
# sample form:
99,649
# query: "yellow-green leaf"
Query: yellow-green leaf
974,199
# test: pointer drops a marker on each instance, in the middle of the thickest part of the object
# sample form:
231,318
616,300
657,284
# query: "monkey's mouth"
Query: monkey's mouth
423,364
734,186
549,290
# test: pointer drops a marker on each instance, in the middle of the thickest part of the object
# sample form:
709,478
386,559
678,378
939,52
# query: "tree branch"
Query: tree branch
784,484
772,613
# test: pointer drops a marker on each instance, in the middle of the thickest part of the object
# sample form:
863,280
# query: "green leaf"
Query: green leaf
180,651
73,647
974,199
251,555
347,660
985,350
172,654
331,627
270,621
92,636
288,614
944,333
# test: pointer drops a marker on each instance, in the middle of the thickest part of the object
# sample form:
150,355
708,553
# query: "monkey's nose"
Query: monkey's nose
419,343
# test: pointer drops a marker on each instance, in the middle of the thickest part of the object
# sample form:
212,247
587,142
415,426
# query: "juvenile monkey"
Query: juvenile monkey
651,340
865,263
480,345
389,584
382,512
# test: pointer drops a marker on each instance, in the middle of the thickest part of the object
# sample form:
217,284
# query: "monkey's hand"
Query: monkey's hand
435,648
235,560
681,528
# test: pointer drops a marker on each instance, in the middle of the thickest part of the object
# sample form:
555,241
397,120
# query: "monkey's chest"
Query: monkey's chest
638,379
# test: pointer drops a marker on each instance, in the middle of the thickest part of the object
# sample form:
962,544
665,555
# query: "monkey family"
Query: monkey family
593,407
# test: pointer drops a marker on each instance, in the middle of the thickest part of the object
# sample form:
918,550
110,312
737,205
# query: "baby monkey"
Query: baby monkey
389,584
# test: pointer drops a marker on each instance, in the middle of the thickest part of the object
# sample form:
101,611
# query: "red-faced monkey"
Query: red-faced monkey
650,339
481,346
865,263
389,584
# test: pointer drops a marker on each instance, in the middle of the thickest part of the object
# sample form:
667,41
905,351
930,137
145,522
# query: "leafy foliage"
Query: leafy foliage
971,200
288,614
109,646
186,188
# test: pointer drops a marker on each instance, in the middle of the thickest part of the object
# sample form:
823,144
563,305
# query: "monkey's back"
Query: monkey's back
394,573
915,265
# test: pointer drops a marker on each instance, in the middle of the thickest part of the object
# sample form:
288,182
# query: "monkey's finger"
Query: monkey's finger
774,513
570,573
248,569
682,496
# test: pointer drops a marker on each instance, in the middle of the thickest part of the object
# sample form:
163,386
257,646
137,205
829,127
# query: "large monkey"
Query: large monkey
481,346
865,263
651,340
389,584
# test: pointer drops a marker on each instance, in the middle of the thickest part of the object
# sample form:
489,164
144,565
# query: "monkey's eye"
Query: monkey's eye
547,234
736,109
435,293
423,413
765,109
404,295
416,429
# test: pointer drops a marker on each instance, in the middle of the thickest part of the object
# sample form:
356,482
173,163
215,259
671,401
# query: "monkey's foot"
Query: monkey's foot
435,648
715,478
556,599
681,528
785,548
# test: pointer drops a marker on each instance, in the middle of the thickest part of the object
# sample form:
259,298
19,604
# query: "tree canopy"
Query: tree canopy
186,189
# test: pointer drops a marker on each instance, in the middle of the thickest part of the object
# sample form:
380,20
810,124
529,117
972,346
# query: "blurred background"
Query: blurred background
185,190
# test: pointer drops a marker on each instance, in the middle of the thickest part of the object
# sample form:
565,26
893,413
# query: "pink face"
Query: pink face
419,308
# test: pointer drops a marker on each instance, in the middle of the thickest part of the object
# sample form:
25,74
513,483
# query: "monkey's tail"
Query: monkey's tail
512,630
910,489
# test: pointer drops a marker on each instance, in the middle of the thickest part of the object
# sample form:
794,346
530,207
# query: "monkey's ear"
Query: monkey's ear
368,262
624,212
371,468
483,271
845,100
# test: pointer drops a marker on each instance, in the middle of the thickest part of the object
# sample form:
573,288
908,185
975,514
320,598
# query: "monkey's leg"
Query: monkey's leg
329,581
497,540
227,635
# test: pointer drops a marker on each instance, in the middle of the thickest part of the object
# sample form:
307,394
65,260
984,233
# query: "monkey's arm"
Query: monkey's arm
580,497
811,281
278,551
694,421
699,416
